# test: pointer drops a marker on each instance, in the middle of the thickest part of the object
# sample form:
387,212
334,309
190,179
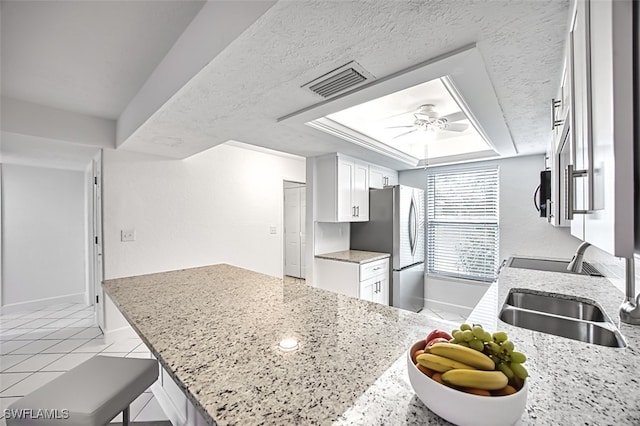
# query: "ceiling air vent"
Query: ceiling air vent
346,77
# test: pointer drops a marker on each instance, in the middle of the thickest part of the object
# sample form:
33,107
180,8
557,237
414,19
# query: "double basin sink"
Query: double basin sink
561,315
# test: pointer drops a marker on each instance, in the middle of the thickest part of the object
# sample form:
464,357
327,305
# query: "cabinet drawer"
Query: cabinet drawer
372,269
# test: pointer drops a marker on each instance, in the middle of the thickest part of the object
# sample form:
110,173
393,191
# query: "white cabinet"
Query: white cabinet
379,177
342,189
367,281
579,172
375,289
560,105
558,153
601,183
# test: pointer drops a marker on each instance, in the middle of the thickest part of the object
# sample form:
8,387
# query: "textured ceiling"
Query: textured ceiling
89,57
240,93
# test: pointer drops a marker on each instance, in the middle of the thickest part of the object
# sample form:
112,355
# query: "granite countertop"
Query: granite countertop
216,331
350,368
570,382
354,256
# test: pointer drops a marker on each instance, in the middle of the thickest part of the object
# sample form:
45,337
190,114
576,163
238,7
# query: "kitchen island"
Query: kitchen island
216,331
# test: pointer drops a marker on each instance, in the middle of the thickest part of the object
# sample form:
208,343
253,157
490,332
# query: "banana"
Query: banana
488,380
463,354
440,363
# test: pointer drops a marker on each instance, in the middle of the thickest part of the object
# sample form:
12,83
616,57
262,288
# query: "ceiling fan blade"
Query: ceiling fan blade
405,133
456,127
456,116
398,127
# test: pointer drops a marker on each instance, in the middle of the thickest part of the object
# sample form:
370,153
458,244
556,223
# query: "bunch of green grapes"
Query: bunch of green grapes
496,346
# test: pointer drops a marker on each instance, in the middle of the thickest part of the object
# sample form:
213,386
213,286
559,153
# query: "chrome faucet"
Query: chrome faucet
630,309
576,263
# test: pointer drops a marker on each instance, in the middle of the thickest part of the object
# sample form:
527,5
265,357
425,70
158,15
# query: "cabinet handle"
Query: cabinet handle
555,103
354,211
570,175
358,211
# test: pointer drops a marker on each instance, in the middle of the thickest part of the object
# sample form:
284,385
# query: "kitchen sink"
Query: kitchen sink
551,266
573,308
561,315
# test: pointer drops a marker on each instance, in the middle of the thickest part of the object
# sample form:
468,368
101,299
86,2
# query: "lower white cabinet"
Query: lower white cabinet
367,281
375,289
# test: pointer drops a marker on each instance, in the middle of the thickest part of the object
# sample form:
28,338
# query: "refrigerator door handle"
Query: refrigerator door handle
413,225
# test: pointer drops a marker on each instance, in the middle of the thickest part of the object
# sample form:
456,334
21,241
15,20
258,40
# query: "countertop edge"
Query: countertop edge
337,258
205,415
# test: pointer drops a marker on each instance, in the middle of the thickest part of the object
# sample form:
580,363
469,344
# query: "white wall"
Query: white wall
43,235
213,207
331,237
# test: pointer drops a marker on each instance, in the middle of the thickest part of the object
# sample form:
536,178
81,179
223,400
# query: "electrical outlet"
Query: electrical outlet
273,230
128,235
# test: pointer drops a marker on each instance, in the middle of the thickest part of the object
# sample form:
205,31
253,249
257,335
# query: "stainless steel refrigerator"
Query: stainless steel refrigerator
396,226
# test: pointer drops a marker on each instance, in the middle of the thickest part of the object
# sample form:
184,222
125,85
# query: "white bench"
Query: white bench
91,394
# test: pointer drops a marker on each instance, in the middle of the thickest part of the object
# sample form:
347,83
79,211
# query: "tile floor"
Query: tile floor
39,345
441,314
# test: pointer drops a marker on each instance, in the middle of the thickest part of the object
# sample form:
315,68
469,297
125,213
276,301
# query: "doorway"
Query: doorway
96,253
294,228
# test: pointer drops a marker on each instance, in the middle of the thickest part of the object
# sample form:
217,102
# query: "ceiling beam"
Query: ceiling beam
214,28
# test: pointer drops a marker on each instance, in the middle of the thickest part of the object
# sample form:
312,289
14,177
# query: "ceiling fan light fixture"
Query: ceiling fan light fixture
426,111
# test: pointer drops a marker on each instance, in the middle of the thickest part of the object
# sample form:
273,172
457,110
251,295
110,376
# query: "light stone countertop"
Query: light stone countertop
350,368
216,331
571,383
354,256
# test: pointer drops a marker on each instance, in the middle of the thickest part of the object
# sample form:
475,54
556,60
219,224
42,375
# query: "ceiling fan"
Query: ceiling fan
428,119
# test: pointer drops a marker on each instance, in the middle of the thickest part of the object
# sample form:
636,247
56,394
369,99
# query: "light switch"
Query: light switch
128,235
273,230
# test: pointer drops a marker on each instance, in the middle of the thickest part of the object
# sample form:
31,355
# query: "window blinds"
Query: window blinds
462,223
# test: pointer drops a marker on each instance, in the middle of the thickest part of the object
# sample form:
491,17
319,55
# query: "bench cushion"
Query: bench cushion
94,392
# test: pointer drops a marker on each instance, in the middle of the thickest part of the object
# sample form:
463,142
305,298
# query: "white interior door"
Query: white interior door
97,239
294,229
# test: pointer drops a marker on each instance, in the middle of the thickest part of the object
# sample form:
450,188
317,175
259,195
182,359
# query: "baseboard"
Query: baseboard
43,303
167,404
111,336
449,307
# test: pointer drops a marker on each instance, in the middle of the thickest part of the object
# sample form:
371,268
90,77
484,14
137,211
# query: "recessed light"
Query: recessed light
288,344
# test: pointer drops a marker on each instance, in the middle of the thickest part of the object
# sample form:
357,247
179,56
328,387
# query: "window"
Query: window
462,223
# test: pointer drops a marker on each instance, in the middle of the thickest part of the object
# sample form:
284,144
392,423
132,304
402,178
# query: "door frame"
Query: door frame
1,237
96,293
285,183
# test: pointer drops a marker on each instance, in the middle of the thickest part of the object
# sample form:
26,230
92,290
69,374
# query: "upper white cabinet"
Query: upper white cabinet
600,174
379,177
342,189
559,151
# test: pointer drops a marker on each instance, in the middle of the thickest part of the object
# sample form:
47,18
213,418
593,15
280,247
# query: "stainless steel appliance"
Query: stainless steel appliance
396,226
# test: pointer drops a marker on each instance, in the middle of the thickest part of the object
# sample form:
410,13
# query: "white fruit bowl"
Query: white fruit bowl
461,408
